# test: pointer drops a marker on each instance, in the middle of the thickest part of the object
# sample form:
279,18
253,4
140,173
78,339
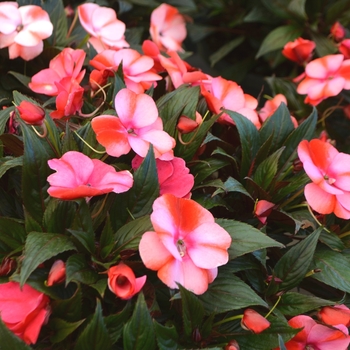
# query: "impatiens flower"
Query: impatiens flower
344,48
67,64
173,176
186,246
107,32
329,171
221,93
317,336
334,315
325,77
23,29
123,283
338,31
23,310
232,345
254,322
168,28
57,273
300,50
136,127
137,69
263,209
31,113
78,176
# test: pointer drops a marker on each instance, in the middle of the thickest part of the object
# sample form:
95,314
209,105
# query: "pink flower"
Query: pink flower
329,171
31,113
254,322
317,336
263,209
67,64
325,77
344,48
221,93
168,28
300,50
334,315
173,176
23,29
338,31
137,127
23,310
186,246
123,283
232,345
78,176
107,32
137,69
57,273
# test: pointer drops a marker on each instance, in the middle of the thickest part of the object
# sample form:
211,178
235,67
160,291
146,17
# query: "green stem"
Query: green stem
72,24
93,149
345,234
295,195
274,307
314,217
233,318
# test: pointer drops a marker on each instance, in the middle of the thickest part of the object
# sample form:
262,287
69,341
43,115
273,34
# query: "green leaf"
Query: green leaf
206,167
40,247
9,341
106,239
250,141
324,46
4,117
278,37
267,170
167,337
224,50
192,311
334,268
85,239
332,241
95,336
78,270
119,82
68,309
295,263
89,136
227,293
12,233
293,304
21,78
7,163
298,7
62,329
138,333
245,238
232,185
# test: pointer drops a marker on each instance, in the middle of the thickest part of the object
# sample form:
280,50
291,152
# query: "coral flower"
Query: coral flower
123,283
344,48
263,209
186,246
334,315
23,310
137,127
57,273
300,50
254,322
137,69
173,176
221,93
107,32
325,77
31,113
317,336
329,171
78,176
168,28
23,29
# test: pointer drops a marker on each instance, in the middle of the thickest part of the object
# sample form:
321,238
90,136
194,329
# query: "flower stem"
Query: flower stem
93,149
274,307
233,318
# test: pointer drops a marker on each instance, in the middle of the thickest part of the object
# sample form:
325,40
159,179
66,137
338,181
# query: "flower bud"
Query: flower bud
57,273
300,50
186,125
337,31
232,345
7,266
254,322
31,113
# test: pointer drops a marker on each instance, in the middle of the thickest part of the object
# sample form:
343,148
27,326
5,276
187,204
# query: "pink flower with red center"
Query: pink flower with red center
23,29
186,246
123,283
254,322
78,176
329,171
173,176
137,69
168,28
334,315
325,77
107,32
136,127
317,336
67,64
300,50
221,93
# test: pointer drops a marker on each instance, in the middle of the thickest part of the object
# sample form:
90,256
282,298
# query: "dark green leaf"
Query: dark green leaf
206,167
4,117
9,341
106,239
69,309
332,241
62,329
40,247
295,263
95,336
232,185
7,163
225,49
12,233
324,46
167,337
78,270
138,333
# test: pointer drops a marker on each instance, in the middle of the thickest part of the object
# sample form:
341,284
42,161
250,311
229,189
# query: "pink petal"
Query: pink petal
326,338
85,12
319,200
339,169
321,68
10,17
25,52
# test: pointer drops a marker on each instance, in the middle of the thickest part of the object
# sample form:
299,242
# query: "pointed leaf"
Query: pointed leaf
9,341
167,337
62,329
7,163
206,167
224,50
78,270
12,233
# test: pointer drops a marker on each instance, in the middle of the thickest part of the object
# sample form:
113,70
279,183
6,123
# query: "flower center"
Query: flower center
330,180
309,347
181,247
121,280
19,28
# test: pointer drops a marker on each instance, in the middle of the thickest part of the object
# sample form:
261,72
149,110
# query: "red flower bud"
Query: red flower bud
7,266
186,125
232,345
57,273
31,113
337,31
254,322
300,50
